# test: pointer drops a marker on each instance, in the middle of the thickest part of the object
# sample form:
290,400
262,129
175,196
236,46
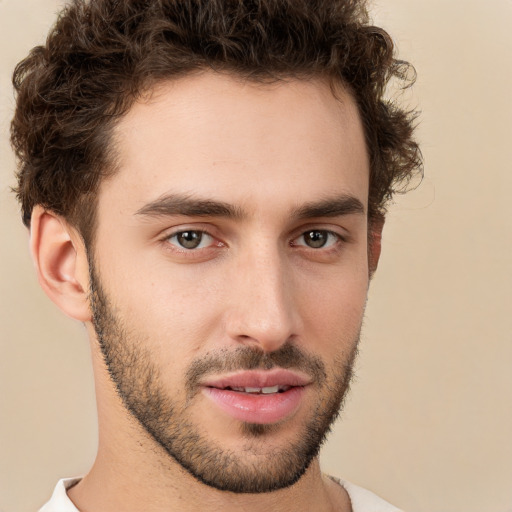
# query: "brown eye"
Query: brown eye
190,239
316,239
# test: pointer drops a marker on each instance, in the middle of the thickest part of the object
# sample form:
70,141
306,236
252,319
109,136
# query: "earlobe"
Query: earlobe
61,263
375,228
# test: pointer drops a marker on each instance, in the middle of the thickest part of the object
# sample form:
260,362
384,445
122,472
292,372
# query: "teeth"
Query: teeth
273,389
253,390
265,391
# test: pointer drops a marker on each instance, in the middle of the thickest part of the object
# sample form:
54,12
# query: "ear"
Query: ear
375,227
60,259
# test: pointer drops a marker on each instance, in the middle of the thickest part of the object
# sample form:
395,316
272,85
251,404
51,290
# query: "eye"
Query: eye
317,239
190,239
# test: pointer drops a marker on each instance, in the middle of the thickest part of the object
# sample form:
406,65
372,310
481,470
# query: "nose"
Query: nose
263,308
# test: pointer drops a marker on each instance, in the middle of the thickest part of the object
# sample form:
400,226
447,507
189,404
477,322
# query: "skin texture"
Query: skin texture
256,284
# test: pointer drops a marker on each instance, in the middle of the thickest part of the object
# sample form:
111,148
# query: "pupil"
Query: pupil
316,239
190,239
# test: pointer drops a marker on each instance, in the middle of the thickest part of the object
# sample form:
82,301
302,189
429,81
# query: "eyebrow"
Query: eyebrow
177,204
331,207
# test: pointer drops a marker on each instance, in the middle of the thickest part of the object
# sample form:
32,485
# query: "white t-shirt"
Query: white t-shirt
361,499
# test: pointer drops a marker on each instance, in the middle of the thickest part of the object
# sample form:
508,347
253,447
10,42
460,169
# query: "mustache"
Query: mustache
246,358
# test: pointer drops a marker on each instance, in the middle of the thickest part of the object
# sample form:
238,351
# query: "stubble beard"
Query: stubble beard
253,469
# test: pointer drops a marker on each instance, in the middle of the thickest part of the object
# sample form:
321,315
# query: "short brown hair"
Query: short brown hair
101,55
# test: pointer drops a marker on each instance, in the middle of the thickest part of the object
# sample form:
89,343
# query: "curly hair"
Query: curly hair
102,55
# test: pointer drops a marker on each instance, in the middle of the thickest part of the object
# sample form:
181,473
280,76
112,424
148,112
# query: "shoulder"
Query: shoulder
59,502
363,500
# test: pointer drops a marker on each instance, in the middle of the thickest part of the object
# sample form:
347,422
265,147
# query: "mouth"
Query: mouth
263,397
269,390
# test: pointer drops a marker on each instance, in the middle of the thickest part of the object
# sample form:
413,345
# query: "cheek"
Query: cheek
333,311
174,311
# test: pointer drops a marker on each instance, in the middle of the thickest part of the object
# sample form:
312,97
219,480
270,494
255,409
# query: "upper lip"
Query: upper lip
258,379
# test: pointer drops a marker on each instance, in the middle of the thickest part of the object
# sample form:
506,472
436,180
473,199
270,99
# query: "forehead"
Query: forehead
216,135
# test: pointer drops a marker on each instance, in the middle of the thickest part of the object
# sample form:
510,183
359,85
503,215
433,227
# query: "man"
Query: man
205,184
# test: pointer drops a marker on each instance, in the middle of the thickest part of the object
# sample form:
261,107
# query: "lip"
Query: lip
257,408
258,379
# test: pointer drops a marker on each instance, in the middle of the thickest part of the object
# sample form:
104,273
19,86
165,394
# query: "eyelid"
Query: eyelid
336,229
202,227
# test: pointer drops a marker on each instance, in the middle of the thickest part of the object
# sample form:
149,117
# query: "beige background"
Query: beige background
429,422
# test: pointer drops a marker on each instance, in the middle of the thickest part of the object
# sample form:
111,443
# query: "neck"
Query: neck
110,488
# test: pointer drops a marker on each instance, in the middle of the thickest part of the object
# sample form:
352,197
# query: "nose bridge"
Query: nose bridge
264,310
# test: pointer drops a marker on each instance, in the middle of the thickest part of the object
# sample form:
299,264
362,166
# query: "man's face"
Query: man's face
229,272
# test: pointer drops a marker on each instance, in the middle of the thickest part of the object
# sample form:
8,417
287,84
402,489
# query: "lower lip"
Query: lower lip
257,408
